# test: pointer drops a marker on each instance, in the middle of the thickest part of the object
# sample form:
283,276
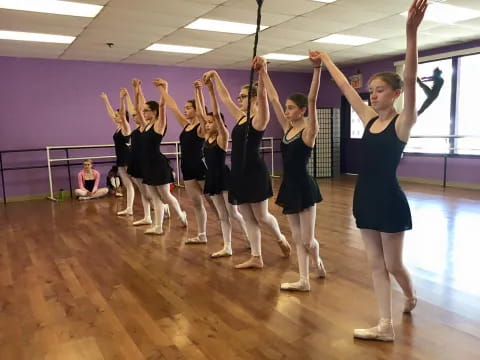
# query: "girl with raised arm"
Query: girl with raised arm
299,193
157,173
192,164
250,182
121,138
380,206
134,169
216,182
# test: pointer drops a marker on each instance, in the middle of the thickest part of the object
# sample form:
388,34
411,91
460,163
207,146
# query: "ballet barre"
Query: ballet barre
67,158
177,154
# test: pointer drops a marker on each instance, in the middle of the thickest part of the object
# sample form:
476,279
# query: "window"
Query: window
468,117
435,120
356,125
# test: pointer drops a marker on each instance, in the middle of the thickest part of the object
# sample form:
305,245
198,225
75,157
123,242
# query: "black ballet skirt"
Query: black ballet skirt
216,179
379,202
298,190
155,166
249,177
136,154
122,150
192,165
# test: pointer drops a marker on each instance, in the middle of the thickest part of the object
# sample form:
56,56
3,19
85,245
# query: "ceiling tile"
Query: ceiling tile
288,7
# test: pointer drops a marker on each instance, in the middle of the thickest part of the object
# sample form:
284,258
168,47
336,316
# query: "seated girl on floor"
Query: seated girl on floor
88,180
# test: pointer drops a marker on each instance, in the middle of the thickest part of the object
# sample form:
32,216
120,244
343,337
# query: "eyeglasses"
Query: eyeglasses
241,97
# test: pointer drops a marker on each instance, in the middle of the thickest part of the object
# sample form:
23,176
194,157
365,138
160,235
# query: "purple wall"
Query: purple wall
56,102
465,170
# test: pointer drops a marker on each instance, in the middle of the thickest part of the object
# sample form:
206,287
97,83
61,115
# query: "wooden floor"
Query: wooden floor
78,282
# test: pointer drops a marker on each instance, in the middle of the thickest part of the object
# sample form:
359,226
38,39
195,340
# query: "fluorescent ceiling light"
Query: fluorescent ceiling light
178,49
224,26
52,7
26,36
286,57
345,39
325,1
447,14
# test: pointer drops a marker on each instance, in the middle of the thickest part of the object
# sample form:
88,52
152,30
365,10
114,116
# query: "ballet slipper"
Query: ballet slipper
154,230
200,239
222,253
126,212
410,304
142,222
300,285
318,269
382,332
255,262
285,247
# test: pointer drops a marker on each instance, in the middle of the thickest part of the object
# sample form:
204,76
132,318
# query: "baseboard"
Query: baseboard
420,180
462,185
454,184
11,199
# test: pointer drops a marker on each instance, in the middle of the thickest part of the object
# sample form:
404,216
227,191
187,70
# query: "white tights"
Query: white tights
158,208
384,253
166,197
195,193
146,197
256,214
302,226
127,182
227,212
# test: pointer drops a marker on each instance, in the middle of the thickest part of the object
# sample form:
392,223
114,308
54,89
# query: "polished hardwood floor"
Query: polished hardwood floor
79,283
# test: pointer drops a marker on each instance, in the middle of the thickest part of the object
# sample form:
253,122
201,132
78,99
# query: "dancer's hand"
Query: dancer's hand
259,64
322,55
103,96
416,14
208,76
197,84
123,93
315,58
136,83
209,85
160,82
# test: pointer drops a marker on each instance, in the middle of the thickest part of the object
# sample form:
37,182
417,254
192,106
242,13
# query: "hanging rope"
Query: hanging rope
250,85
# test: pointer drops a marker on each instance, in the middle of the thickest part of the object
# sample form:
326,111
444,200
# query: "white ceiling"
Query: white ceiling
134,25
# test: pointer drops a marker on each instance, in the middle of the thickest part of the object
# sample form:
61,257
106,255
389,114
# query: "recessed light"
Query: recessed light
341,39
37,37
178,49
52,7
286,57
223,26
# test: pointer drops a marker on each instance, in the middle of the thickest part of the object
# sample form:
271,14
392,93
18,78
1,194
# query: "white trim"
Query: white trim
444,55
